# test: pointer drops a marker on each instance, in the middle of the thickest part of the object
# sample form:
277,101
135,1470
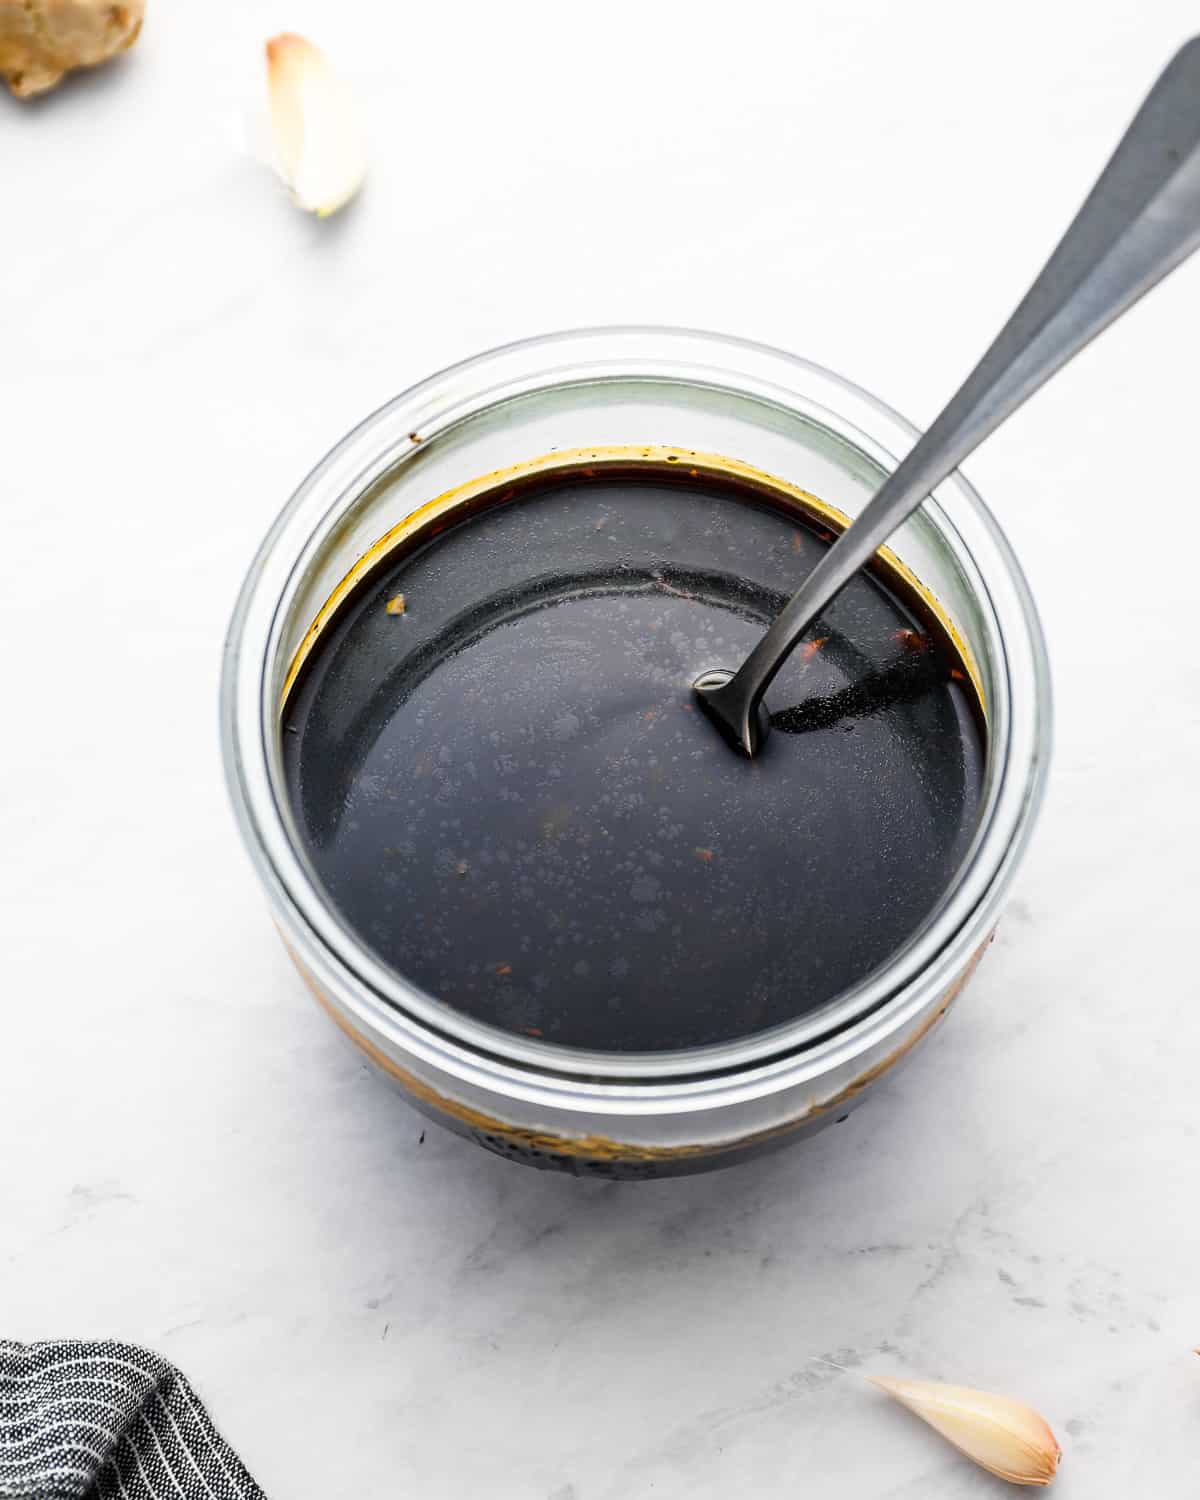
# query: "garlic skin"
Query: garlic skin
1001,1435
316,132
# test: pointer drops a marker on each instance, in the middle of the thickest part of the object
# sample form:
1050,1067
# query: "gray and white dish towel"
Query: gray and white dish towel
108,1421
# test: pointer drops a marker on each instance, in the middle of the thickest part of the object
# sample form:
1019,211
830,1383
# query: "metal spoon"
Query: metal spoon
1140,220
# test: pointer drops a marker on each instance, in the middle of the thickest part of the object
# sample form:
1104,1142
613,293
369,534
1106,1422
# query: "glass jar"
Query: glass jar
644,1114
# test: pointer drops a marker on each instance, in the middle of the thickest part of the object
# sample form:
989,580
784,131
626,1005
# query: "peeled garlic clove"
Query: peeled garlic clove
999,1434
316,132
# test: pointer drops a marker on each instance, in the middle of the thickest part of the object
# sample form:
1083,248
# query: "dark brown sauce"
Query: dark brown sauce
505,786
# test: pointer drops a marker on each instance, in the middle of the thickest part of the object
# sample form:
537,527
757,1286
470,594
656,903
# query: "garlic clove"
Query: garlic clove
999,1434
316,131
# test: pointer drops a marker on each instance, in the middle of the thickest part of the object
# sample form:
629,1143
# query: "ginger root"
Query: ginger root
40,40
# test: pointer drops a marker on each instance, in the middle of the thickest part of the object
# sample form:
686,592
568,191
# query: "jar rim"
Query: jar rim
859,1018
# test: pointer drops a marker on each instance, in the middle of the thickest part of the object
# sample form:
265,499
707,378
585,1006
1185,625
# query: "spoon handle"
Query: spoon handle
1139,221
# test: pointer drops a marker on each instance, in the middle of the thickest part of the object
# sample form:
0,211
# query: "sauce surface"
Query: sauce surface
502,781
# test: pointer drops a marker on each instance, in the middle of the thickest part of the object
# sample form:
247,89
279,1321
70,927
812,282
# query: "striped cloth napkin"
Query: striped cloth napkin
107,1421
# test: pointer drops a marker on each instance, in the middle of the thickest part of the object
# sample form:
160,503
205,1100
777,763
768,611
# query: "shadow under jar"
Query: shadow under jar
513,860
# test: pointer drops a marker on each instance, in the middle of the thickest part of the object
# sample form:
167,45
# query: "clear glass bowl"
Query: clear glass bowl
639,1114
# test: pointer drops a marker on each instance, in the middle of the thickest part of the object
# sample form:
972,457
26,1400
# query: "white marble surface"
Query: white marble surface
191,1157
